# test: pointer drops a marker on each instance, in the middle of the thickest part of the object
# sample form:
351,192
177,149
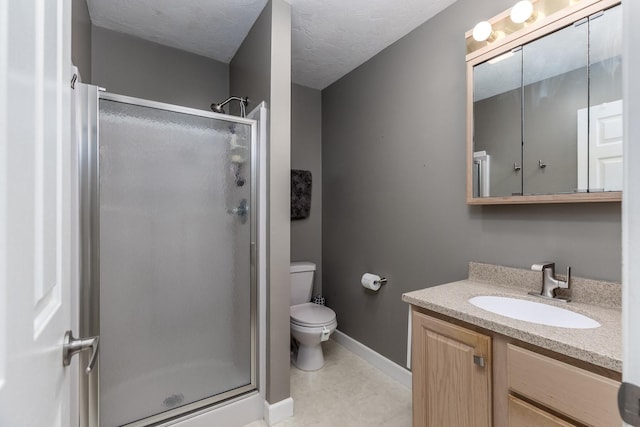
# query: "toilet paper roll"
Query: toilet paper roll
370,281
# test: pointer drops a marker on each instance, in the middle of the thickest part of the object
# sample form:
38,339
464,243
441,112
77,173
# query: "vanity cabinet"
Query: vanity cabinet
573,392
466,376
451,374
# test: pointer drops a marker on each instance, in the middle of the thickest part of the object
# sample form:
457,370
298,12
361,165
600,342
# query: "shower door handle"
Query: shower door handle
72,345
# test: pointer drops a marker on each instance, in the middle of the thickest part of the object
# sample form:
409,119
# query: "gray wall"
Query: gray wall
81,39
261,69
250,68
393,160
131,66
306,153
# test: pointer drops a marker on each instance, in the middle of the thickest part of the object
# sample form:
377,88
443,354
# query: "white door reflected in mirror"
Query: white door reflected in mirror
600,150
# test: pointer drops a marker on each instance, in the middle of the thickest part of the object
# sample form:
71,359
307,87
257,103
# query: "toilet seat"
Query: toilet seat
311,315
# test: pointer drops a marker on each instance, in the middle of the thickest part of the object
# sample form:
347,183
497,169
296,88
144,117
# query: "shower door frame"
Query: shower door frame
89,292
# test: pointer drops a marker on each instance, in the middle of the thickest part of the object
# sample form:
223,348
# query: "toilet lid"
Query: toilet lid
310,314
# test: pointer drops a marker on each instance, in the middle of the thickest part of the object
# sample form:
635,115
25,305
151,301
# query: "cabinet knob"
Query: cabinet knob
478,360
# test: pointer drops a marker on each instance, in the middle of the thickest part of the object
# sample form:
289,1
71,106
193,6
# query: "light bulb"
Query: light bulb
522,11
482,31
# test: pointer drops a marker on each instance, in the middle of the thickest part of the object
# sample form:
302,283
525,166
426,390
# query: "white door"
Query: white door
605,152
600,152
35,208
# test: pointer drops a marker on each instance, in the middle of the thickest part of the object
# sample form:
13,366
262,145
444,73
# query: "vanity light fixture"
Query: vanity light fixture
523,12
483,31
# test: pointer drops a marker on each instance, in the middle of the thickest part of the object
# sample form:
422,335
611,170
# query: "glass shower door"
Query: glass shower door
175,279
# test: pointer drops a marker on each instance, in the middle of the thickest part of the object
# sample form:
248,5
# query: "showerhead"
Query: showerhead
218,108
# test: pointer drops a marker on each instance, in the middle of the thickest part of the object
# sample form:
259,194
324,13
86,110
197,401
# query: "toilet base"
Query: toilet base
308,357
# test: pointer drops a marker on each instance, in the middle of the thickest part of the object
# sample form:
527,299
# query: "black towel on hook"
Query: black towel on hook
300,193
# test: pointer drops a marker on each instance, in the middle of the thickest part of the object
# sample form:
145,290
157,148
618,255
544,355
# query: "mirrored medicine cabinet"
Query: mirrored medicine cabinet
544,110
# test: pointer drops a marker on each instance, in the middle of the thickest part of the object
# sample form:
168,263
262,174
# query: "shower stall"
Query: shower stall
169,263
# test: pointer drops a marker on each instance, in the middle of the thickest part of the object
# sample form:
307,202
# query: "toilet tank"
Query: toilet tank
301,281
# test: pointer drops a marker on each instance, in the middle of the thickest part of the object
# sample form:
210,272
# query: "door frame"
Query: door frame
89,292
631,195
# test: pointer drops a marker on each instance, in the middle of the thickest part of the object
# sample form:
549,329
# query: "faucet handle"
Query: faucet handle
541,266
567,283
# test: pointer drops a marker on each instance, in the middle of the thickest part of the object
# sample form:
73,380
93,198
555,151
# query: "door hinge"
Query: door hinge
629,403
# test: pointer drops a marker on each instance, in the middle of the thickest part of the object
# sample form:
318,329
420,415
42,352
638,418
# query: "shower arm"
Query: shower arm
218,108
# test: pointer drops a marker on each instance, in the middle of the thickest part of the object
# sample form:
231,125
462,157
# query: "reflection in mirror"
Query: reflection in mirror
497,103
546,117
556,87
600,150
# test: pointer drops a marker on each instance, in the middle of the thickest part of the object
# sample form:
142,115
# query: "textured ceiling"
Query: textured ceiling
212,28
329,37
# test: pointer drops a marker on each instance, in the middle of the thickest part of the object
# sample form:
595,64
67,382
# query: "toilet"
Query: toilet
311,324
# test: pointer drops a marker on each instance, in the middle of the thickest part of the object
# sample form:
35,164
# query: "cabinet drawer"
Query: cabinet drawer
523,414
579,394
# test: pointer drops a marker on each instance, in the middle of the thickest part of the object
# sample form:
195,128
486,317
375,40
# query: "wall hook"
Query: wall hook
541,165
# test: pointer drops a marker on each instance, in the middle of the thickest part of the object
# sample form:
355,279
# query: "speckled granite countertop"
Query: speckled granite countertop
599,300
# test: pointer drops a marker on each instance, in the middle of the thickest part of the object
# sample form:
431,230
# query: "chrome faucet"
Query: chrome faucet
549,281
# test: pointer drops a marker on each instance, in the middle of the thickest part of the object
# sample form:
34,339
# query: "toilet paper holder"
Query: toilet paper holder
372,281
382,281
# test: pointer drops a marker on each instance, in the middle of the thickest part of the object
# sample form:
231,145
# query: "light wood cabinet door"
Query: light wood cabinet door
451,374
523,414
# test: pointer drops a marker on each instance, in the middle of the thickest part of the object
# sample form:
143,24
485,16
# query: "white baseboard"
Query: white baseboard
395,371
278,411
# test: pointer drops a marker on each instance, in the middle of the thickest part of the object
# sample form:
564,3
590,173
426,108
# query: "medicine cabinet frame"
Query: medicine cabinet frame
482,52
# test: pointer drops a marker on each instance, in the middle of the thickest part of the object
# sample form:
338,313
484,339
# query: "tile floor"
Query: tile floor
346,392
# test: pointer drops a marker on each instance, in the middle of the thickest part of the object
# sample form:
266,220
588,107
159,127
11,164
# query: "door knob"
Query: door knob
73,345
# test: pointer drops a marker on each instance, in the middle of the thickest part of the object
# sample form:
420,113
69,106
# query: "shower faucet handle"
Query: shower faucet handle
242,211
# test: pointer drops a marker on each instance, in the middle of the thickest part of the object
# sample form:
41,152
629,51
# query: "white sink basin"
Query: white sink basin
534,312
